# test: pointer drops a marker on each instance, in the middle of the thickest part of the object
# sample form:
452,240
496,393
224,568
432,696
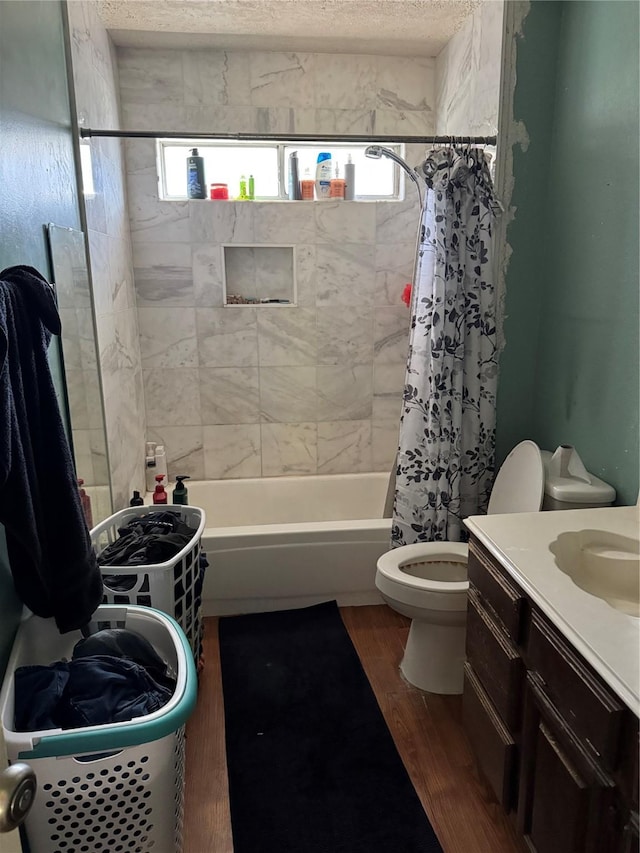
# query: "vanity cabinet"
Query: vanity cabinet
558,748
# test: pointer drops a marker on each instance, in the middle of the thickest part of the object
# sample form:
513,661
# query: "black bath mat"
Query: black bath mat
312,765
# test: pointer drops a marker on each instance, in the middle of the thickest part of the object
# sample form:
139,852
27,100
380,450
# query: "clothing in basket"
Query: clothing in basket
113,676
164,547
147,540
118,786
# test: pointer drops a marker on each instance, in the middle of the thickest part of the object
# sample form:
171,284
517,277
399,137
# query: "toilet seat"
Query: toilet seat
413,590
519,485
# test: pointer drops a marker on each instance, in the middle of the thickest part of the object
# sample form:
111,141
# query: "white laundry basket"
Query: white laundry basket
110,788
175,587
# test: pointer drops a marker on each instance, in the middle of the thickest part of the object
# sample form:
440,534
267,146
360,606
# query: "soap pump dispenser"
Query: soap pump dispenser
159,495
180,494
136,499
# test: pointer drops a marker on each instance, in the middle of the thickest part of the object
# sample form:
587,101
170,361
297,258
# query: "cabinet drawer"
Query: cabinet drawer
492,744
566,802
497,590
495,662
593,713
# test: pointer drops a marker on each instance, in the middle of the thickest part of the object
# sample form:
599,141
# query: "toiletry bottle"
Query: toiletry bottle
161,461
196,186
242,195
323,176
159,494
350,180
336,187
252,188
136,499
180,494
150,466
307,185
294,177
85,500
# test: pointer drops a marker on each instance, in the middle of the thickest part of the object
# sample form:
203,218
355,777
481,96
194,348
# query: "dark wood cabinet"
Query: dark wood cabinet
558,748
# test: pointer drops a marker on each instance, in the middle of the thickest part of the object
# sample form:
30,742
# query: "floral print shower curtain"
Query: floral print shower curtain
445,459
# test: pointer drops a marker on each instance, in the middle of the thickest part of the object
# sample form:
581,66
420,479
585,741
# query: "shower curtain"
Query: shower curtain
445,458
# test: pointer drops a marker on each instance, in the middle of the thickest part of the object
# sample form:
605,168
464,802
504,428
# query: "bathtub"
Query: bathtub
281,542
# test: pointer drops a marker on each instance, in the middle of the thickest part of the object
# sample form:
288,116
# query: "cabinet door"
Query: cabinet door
493,746
565,800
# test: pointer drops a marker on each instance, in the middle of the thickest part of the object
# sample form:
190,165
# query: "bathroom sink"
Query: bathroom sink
603,564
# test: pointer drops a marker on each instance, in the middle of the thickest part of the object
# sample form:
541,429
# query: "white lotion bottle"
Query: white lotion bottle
349,180
150,466
161,462
323,176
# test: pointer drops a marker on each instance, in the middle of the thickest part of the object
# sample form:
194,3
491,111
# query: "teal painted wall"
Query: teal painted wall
570,368
37,175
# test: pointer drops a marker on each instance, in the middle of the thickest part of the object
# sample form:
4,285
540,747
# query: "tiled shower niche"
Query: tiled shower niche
258,275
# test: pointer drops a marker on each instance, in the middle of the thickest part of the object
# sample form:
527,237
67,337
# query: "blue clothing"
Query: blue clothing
54,569
89,691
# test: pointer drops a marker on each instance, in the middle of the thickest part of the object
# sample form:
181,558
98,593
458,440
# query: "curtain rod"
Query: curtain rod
86,132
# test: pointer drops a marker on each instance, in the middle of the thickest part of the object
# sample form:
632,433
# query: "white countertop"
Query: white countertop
607,638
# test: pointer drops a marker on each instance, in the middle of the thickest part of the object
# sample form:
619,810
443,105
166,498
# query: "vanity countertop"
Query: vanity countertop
607,638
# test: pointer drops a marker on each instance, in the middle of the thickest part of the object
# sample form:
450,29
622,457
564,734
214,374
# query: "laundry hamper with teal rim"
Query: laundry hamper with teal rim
175,586
110,788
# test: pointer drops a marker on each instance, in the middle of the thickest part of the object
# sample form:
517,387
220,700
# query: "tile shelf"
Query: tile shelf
257,272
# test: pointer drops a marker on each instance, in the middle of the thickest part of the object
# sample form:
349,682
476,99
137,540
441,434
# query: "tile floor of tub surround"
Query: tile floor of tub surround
427,730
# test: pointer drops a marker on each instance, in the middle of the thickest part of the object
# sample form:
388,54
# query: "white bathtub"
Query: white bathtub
281,542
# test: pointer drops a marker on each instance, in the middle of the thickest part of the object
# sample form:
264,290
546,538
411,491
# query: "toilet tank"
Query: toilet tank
568,485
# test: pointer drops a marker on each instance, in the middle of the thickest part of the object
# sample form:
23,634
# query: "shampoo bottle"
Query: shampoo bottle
180,494
136,499
323,176
196,186
294,177
350,180
307,185
252,188
85,500
159,494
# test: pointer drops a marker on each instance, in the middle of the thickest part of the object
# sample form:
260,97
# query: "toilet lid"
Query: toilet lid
519,486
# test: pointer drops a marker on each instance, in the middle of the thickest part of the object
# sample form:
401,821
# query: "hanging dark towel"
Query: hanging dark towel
53,565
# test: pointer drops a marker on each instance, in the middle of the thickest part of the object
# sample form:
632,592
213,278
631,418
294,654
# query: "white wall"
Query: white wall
265,392
468,75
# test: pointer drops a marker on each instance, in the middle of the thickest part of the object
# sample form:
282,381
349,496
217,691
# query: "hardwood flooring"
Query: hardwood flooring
426,728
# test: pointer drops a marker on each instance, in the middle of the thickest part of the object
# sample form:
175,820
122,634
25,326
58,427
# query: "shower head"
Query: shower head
375,152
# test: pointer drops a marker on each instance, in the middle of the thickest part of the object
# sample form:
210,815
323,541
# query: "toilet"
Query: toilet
427,582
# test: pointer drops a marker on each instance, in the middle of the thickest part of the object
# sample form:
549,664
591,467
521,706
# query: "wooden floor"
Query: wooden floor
426,728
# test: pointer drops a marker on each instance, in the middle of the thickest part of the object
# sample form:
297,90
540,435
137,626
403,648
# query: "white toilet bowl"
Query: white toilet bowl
428,581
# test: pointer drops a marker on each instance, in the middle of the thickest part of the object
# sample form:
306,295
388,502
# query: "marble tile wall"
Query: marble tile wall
468,75
268,391
114,302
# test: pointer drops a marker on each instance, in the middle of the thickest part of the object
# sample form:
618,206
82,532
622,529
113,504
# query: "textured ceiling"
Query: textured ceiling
388,27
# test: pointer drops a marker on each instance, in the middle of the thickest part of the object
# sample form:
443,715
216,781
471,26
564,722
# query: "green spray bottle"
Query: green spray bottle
180,494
